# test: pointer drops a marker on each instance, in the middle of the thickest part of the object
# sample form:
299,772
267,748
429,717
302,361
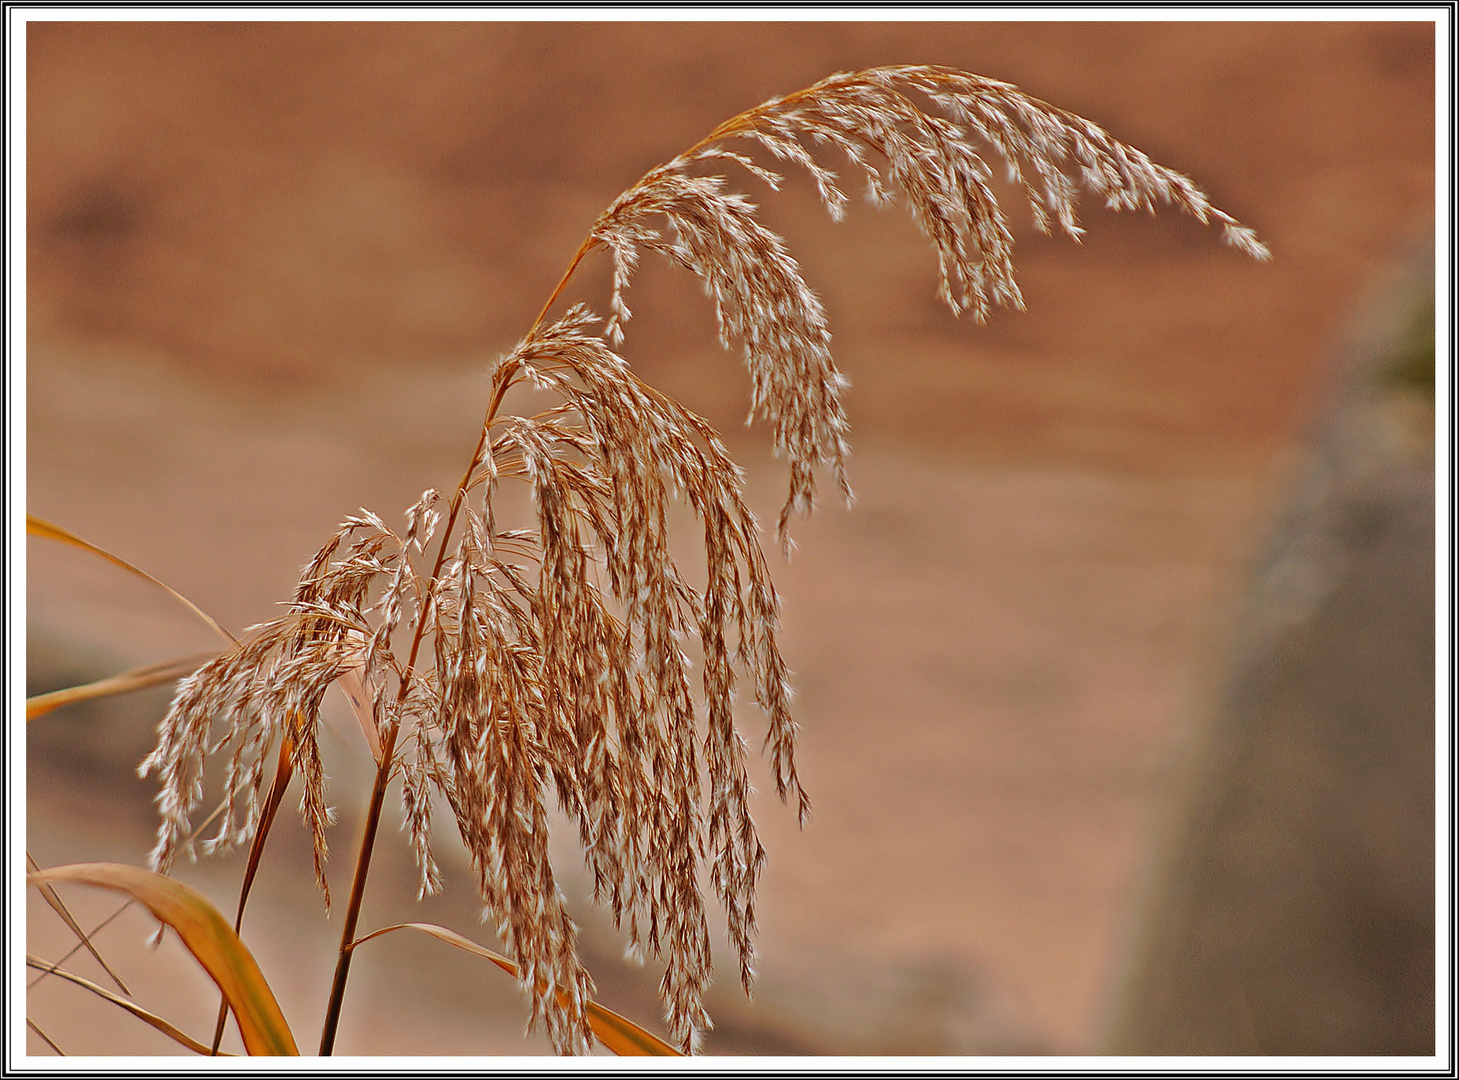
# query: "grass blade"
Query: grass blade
136,679
616,1032
40,527
624,1037
50,897
362,702
44,1037
74,949
282,775
207,936
106,995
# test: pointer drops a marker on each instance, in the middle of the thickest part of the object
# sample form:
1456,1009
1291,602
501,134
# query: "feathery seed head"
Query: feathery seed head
552,660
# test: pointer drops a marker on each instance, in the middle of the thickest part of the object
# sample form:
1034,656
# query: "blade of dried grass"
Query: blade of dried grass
44,1037
282,775
207,936
118,912
74,949
132,1007
616,1032
122,683
49,895
352,686
40,527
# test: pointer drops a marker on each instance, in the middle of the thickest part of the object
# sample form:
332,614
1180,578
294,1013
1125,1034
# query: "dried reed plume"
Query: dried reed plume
553,660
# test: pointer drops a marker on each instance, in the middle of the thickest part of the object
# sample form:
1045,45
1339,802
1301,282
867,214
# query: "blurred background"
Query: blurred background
1117,682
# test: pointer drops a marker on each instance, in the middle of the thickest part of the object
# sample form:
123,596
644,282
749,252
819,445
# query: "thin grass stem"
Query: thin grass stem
387,749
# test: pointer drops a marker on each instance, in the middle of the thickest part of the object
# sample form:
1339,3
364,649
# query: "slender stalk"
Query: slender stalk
733,126
585,247
282,774
357,894
44,1037
387,750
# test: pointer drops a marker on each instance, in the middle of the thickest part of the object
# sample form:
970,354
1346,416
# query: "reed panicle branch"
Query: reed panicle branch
553,662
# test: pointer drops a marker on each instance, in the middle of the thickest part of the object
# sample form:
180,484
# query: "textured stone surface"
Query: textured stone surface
1298,916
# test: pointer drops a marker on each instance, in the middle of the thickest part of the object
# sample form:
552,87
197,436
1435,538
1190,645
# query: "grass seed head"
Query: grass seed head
550,663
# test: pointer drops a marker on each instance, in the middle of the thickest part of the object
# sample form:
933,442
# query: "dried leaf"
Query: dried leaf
616,1032
125,682
36,526
49,895
207,936
130,1006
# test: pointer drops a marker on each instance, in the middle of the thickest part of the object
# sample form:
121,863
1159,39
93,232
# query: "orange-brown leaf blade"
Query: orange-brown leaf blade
36,526
624,1037
44,1037
362,703
614,1031
121,683
207,936
50,897
130,1006
282,775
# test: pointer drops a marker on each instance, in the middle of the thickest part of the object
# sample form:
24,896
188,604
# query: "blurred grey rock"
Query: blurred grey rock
1297,915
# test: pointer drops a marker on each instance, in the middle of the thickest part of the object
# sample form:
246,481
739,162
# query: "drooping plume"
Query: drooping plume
555,662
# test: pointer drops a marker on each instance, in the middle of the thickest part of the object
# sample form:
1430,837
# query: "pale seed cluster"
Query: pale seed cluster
556,663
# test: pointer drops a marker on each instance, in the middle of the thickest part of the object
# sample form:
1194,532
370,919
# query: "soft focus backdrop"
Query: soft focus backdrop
269,266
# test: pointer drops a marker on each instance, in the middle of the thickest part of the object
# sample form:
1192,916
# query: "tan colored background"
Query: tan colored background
269,267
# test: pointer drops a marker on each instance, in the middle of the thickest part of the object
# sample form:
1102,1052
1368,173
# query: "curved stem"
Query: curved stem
357,894
730,127
733,126
387,750
282,774
583,248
